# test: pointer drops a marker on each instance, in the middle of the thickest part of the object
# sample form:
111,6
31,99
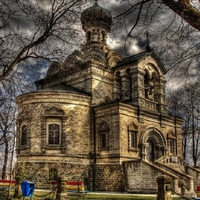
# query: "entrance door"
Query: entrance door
150,151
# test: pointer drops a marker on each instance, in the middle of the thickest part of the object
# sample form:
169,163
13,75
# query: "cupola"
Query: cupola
96,22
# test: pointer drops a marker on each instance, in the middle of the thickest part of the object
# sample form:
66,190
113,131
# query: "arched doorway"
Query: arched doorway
153,144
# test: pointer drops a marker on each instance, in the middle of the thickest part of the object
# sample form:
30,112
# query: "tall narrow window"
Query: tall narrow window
171,140
53,130
103,136
54,133
132,136
171,146
24,135
103,140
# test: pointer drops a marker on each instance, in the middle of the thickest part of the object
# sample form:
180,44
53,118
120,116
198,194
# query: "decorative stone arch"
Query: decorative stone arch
153,144
95,53
52,111
56,114
54,69
133,126
152,68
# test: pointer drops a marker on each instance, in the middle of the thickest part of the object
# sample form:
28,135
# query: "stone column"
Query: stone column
166,150
176,187
61,189
144,151
125,87
164,188
160,94
137,87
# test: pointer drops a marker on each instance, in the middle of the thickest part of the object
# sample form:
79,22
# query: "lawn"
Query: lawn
38,195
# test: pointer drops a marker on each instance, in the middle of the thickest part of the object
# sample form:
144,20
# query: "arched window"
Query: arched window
149,86
54,133
24,135
53,174
103,136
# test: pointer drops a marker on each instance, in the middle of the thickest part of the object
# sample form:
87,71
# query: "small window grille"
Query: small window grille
54,132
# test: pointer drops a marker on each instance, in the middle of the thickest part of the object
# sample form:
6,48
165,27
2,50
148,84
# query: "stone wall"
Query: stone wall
109,177
74,122
38,172
141,176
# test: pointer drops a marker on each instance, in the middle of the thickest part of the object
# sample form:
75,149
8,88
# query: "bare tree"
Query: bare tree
184,103
7,130
18,83
35,29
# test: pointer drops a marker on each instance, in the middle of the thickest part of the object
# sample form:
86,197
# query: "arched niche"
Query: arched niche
151,80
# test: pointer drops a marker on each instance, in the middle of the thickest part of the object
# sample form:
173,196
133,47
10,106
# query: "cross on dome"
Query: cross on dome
148,48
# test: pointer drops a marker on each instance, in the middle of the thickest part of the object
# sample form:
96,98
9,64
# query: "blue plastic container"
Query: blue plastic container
27,188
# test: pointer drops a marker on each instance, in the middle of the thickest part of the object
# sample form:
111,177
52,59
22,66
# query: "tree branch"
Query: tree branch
185,10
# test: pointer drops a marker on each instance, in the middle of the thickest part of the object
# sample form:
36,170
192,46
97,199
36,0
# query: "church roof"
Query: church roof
137,57
62,87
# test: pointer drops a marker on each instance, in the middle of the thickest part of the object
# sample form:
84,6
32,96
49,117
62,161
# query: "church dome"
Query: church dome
96,16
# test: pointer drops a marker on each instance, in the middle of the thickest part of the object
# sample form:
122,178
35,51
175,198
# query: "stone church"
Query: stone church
101,119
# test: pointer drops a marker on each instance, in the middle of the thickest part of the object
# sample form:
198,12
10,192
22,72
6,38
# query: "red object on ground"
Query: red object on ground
198,188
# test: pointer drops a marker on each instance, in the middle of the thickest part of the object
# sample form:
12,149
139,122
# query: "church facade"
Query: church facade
101,119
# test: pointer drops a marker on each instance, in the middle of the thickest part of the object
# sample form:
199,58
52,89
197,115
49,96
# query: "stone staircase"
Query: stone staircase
187,176
141,175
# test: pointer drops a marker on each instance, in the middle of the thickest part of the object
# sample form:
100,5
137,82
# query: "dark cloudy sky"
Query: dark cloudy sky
176,42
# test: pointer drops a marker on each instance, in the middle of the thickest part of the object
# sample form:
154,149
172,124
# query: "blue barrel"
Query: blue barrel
27,188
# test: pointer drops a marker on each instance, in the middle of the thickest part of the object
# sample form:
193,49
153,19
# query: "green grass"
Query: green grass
51,196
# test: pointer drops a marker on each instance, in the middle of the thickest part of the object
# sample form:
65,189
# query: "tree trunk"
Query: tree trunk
4,170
